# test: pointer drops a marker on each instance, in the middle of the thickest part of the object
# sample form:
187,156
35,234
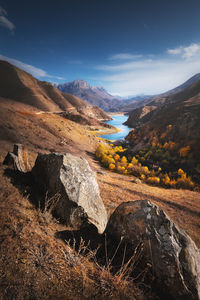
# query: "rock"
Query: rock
18,159
71,178
174,257
136,180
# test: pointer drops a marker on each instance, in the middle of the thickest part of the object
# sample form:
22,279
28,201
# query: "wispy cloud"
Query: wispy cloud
37,72
4,20
151,75
124,56
186,52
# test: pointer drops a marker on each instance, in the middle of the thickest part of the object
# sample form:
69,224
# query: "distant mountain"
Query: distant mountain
100,97
129,104
20,86
94,95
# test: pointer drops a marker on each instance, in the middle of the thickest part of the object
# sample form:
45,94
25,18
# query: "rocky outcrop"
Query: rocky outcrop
173,256
140,115
18,159
73,180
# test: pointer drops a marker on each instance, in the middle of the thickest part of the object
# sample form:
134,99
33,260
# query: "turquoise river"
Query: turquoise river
117,121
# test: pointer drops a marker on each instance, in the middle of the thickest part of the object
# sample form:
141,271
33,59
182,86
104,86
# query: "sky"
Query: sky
130,47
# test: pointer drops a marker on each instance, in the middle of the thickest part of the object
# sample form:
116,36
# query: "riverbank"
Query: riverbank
116,113
98,131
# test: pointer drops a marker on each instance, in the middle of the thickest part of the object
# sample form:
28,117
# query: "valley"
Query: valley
31,244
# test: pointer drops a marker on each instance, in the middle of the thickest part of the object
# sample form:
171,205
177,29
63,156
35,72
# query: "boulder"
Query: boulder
171,253
18,159
73,180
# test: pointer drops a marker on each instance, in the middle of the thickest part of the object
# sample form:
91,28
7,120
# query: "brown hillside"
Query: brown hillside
180,110
20,86
35,263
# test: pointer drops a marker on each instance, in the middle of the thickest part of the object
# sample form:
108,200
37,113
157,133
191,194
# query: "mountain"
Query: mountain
19,86
172,116
94,95
137,102
100,97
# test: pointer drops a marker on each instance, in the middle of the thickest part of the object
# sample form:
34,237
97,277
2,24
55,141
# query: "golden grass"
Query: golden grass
182,206
37,265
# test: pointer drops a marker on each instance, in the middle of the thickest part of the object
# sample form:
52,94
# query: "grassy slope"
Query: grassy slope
44,264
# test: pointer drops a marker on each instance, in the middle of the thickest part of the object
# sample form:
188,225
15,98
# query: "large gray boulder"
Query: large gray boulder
174,257
18,159
72,179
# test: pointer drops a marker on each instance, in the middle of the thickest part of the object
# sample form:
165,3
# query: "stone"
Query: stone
173,256
18,159
137,181
72,179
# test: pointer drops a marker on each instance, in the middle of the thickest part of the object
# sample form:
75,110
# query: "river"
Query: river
117,121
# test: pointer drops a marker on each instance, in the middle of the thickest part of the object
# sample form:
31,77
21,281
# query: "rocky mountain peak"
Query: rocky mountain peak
79,83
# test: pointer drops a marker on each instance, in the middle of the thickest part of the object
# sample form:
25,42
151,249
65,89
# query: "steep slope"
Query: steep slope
176,120
97,96
176,96
160,98
20,86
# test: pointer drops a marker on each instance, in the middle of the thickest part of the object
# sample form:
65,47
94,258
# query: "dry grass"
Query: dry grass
37,265
182,206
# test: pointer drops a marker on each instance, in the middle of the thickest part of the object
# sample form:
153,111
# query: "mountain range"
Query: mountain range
93,95
99,96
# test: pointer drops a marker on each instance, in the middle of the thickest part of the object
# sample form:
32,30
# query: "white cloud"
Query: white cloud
151,76
4,20
37,72
175,51
123,56
186,52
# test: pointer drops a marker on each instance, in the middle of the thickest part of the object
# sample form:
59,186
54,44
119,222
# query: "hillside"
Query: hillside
166,136
31,246
18,85
160,98
179,107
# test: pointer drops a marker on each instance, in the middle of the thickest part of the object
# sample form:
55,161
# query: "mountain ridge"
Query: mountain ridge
22,87
171,118
148,100
97,96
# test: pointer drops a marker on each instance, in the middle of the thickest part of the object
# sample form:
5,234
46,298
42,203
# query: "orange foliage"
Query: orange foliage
184,151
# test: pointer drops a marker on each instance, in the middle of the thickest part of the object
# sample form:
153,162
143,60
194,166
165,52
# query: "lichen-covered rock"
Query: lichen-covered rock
18,159
174,257
72,178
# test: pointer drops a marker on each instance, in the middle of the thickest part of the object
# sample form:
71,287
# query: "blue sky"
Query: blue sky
129,47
